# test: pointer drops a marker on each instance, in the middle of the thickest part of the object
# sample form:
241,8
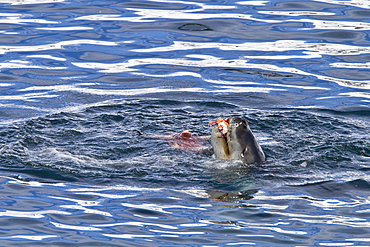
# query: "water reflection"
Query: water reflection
355,3
276,46
298,43
20,19
148,15
118,212
69,69
231,196
54,46
31,237
295,13
194,27
23,2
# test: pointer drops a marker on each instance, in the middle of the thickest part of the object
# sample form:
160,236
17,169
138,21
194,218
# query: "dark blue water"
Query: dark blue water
79,80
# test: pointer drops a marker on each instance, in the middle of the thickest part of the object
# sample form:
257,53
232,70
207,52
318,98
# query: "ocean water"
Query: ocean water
84,87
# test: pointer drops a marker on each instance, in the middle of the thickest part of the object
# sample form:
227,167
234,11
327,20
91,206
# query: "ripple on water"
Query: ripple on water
100,143
75,171
288,215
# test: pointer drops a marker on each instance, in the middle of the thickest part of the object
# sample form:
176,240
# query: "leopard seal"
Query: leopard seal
237,142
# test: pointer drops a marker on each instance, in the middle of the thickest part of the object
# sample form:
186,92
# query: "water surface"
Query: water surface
79,81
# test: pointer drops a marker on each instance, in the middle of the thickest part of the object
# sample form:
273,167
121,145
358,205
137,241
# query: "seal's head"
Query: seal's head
236,142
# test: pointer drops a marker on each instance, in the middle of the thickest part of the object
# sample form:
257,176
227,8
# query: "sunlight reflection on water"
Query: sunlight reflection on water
79,81
145,219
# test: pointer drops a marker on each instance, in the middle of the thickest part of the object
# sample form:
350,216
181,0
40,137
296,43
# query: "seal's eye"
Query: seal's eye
241,125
